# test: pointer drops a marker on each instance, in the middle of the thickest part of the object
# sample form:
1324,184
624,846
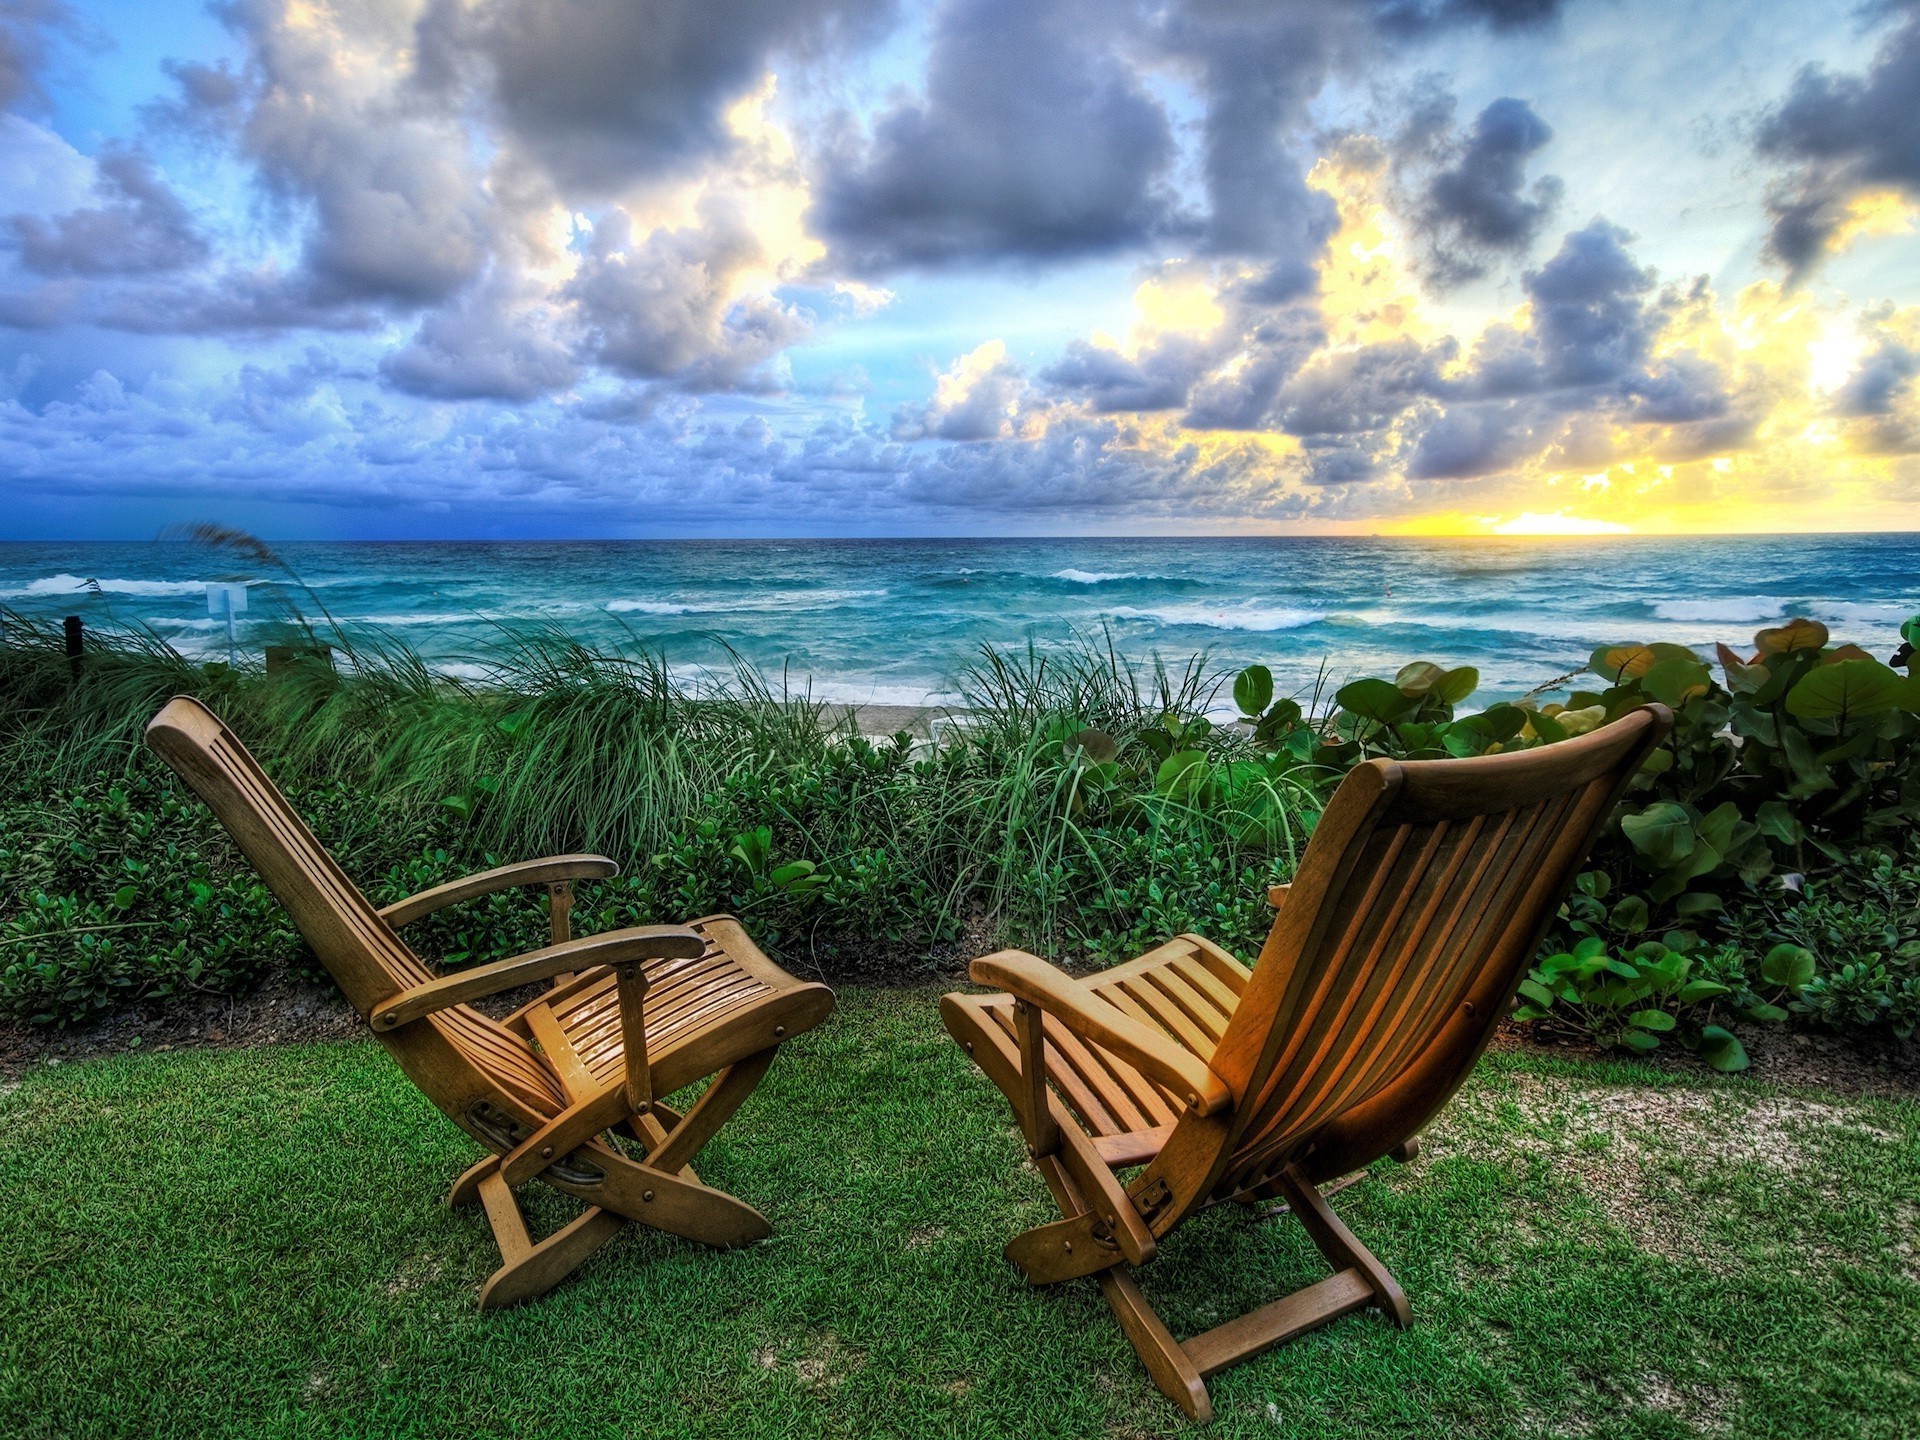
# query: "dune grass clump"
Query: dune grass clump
721,793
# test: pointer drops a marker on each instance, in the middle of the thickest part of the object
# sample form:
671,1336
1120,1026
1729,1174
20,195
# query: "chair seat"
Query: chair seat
1187,988
710,1002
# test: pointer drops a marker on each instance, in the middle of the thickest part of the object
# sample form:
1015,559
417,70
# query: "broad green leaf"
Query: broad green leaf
793,870
1182,773
1788,965
1663,832
124,897
1537,993
1456,685
1641,1040
1850,689
1696,991
1547,728
1722,1049
1770,1014
1676,680
1376,700
1651,1020
1776,822
1253,690
1629,915
1743,676
1700,902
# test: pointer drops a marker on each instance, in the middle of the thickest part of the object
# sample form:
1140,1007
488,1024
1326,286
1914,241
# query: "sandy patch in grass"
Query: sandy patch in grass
1632,1149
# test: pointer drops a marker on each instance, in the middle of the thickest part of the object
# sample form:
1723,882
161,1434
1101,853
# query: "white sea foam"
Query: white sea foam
771,600
1848,612
1728,610
1246,616
844,691
64,584
1096,577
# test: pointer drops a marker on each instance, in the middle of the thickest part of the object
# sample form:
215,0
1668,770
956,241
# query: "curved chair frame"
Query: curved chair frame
633,1014
1417,907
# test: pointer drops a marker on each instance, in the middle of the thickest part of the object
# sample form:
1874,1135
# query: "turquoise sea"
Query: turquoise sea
893,621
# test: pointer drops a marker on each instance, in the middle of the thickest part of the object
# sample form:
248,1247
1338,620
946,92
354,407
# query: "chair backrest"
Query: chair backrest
1417,908
457,1054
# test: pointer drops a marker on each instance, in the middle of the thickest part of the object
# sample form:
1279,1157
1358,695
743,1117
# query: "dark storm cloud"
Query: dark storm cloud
604,92
1034,140
140,226
1846,134
1470,440
1157,379
1035,137
1884,377
27,28
1474,205
1592,325
1354,391
1271,349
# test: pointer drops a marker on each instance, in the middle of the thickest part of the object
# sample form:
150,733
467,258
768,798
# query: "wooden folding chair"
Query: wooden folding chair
1417,908
634,1014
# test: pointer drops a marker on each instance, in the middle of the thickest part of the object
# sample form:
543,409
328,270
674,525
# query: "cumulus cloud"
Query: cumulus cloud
671,306
1847,137
500,340
978,398
1472,204
140,226
601,93
1034,139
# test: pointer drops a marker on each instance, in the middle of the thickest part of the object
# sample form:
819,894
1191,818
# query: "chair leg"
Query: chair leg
1341,1246
1166,1358
528,1269
466,1189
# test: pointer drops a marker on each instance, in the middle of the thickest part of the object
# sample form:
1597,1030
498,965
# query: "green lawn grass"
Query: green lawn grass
250,1243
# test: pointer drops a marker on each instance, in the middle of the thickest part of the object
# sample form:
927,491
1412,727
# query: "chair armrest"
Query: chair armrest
549,871
615,947
1029,978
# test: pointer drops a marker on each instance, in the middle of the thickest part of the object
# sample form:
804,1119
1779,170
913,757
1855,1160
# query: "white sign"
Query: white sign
226,599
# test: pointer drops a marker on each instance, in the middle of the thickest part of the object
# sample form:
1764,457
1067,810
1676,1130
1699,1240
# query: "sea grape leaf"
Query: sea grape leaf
1788,965
1847,690
1418,678
1722,1049
1253,690
1376,700
1181,773
1796,634
1457,684
1677,679
1663,832
1097,745
1619,662
1548,728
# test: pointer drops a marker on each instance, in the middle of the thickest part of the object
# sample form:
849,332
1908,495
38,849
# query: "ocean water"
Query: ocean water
895,621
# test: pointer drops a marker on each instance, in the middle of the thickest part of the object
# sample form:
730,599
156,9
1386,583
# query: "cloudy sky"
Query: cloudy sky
399,268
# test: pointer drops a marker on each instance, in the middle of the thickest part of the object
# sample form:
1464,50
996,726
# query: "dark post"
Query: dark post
75,644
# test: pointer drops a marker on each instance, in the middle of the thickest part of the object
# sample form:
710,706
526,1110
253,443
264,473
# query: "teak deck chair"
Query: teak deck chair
633,1014
1416,909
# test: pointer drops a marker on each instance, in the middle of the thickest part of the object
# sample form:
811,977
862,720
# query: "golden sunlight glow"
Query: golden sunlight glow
1878,212
1558,523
